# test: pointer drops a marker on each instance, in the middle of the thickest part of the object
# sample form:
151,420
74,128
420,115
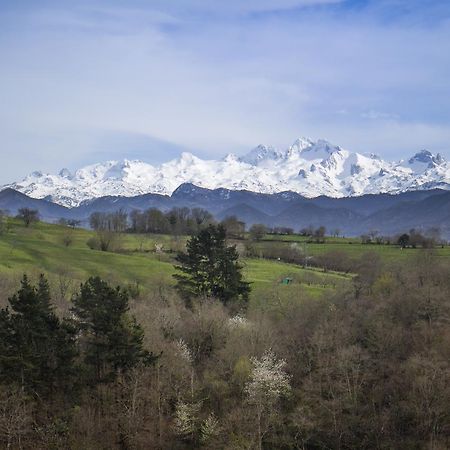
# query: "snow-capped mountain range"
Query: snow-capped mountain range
310,168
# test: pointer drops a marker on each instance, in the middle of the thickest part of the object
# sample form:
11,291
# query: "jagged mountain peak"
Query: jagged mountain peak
37,174
307,167
302,143
118,170
261,153
187,156
65,173
308,149
230,157
186,189
426,157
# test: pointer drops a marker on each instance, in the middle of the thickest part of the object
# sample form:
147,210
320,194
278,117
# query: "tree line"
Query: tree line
177,221
185,221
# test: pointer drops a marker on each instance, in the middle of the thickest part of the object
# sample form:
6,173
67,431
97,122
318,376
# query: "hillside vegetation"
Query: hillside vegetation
45,248
313,359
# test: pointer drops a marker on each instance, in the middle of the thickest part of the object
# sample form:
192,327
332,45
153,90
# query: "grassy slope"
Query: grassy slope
352,246
266,275
41,249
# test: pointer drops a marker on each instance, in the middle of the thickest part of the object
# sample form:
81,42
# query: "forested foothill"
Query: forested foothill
171,331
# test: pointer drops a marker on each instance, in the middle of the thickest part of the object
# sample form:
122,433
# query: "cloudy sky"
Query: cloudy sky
84,81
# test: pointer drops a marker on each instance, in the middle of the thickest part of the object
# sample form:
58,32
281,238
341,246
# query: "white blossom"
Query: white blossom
209,428
184,351
238,322
268,381
186,418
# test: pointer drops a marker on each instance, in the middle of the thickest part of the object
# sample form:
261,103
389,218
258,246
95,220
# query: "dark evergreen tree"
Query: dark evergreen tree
111,341
211,268
403,240
6,350
37,349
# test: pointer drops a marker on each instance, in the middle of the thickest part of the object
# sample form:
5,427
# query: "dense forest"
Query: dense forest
198,365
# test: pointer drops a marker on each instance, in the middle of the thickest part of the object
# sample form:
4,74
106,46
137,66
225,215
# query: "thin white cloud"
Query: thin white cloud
373,114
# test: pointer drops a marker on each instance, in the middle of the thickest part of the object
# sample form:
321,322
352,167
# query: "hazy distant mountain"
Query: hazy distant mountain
11,201
308,168
389,214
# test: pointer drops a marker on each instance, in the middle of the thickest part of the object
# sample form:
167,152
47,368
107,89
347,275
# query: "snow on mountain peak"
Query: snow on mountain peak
302,143
310,168
308,149
65,173
230,157
426,157
118,171
261,153
187,156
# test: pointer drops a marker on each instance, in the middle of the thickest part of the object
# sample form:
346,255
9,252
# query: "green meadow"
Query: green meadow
41,249
135,262
351,246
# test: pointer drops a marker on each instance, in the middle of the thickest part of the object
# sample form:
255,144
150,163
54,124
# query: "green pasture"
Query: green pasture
352,247
267,281
41,249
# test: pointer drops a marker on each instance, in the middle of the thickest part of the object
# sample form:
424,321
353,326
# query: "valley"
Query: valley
388,214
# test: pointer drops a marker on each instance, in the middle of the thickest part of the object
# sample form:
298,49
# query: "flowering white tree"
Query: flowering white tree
209,429
188,423
186,355
268,383
238,322
186,418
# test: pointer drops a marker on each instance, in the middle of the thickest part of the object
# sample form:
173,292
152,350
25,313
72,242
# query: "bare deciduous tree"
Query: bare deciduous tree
28,216
15,418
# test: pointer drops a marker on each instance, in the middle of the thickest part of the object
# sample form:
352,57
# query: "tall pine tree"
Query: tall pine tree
111,341
37,350
210,268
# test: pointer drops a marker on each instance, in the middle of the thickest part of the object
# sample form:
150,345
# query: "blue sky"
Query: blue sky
89,80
